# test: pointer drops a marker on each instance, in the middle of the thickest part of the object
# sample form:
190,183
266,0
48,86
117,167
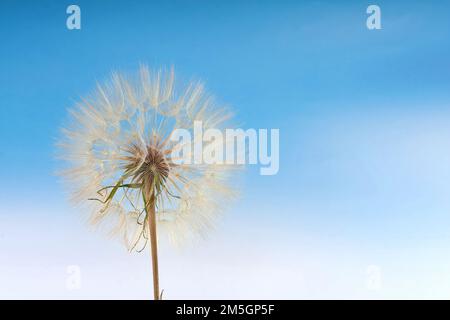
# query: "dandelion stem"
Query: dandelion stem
151,216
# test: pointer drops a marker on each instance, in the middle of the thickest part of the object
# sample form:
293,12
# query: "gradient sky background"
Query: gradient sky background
364,119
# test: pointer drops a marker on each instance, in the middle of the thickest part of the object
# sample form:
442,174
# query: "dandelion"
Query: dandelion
121,166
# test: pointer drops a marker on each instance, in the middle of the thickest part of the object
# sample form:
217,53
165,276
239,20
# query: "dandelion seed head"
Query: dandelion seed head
117,142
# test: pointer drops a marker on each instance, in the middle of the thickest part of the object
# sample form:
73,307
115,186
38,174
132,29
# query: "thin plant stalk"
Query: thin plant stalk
151,217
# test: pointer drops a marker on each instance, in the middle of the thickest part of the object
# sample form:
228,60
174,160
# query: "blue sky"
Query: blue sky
364,145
